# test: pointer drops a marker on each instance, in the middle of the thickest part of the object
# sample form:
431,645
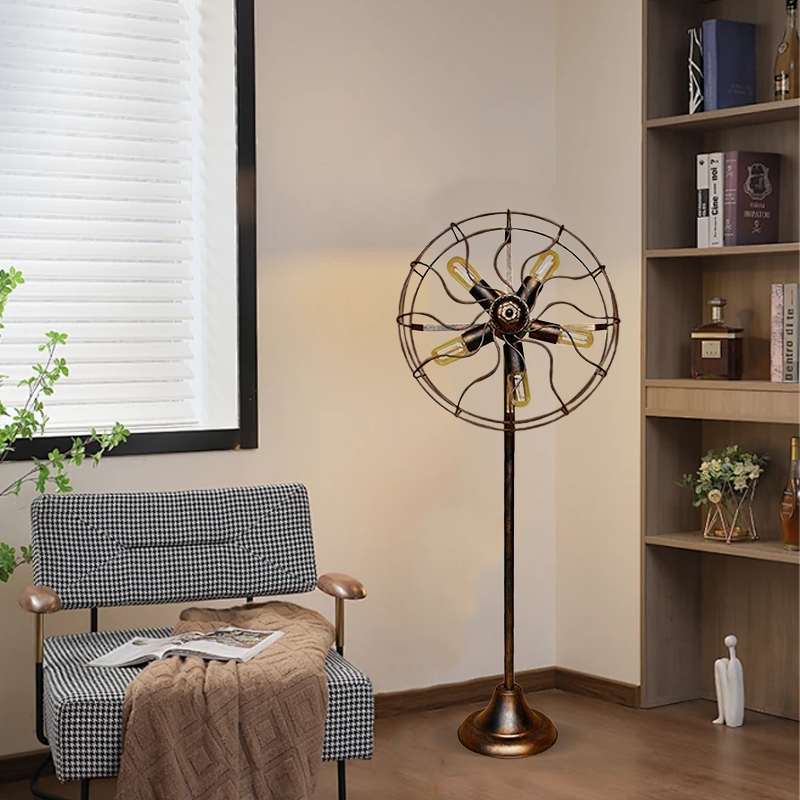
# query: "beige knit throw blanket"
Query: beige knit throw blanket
221,730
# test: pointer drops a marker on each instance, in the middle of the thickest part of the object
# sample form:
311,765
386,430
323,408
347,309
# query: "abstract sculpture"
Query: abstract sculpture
533,321
729,682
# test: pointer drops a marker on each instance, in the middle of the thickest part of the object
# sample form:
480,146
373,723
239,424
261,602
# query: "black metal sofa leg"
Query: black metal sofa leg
342,782
37,792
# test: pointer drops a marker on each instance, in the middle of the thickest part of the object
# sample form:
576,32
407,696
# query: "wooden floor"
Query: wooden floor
603,752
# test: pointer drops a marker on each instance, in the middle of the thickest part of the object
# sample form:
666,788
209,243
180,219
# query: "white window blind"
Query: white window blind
118,205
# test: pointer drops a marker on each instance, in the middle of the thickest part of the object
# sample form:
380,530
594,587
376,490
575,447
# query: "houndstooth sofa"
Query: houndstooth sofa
94,551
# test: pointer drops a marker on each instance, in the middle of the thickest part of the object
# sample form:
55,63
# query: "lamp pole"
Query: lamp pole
508,727
508,536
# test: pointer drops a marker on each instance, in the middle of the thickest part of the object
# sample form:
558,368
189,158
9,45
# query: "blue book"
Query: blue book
729,63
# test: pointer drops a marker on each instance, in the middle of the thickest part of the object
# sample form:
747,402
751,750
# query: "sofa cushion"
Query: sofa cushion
83,705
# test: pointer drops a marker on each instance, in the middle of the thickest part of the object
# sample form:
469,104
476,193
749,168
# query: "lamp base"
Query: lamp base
507,727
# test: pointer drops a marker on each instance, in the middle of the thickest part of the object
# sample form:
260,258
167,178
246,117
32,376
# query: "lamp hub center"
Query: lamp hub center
509,314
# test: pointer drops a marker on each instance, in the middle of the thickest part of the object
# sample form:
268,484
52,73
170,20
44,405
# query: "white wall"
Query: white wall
597,496
378,124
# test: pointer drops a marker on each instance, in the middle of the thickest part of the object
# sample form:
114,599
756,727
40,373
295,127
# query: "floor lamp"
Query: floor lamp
558,275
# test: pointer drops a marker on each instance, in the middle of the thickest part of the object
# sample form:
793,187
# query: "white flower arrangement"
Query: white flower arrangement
729,471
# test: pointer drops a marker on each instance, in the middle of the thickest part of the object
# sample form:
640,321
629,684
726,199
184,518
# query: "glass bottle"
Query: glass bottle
716,347
790,506
787,70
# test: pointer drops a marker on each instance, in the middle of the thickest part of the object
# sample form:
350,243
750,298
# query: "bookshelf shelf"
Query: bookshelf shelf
725,386
760,549
779,248
692,597
756,114
745,401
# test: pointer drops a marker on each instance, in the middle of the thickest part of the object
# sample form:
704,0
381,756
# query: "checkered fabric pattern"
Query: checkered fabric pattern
351,711
83,705
170,547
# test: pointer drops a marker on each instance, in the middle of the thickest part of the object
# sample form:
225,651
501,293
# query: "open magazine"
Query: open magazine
223,644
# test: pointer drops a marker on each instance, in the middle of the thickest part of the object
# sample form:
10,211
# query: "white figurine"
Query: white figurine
729,681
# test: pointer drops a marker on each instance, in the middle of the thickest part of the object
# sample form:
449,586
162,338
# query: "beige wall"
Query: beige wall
597,496
378,124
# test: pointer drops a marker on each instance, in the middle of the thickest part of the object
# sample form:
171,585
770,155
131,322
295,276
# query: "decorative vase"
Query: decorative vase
731,518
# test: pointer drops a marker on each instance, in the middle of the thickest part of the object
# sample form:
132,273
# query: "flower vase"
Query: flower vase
730,518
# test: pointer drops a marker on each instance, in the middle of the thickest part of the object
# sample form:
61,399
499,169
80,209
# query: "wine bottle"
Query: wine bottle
787,61
790,507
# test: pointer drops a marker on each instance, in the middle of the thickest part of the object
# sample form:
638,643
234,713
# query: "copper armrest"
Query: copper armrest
39,600
341,586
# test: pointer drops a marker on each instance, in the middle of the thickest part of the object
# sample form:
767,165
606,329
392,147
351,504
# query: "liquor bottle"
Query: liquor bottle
790,507
717,348
787,61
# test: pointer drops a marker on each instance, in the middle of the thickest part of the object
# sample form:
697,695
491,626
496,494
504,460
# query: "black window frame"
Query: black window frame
246,435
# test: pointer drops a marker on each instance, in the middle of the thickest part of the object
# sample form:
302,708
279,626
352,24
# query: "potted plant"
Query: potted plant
30,420
725,484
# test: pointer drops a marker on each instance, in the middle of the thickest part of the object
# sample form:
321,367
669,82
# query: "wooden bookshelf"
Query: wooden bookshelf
694,590
779,248
756,114
745,401
758,549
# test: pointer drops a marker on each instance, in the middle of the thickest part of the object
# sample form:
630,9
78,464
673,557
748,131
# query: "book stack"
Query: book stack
737,198
783,332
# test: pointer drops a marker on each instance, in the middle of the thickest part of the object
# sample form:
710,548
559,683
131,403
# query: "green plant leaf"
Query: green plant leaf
31,419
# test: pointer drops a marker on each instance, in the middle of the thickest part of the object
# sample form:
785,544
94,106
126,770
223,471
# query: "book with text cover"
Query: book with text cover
224,644
752,192
702,199
729,64
776,333
790,339
716,171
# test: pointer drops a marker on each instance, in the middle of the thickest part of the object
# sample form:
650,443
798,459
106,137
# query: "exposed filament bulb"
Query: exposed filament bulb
518,389
469,342
463,272
545,266
450,351
576,335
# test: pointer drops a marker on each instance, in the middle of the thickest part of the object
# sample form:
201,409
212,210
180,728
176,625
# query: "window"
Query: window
127,130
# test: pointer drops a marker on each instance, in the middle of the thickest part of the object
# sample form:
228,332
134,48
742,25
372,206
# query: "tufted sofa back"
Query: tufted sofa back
168,547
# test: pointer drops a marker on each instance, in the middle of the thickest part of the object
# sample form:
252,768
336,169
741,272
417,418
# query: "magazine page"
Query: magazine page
230,643
135,651
225,644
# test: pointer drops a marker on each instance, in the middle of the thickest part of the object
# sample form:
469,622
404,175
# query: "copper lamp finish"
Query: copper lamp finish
507,727
529,324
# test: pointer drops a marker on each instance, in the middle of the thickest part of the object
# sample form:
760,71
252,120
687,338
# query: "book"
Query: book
729,64
776,333
223,644
752,191
695,70
790,309
716,174
702,199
